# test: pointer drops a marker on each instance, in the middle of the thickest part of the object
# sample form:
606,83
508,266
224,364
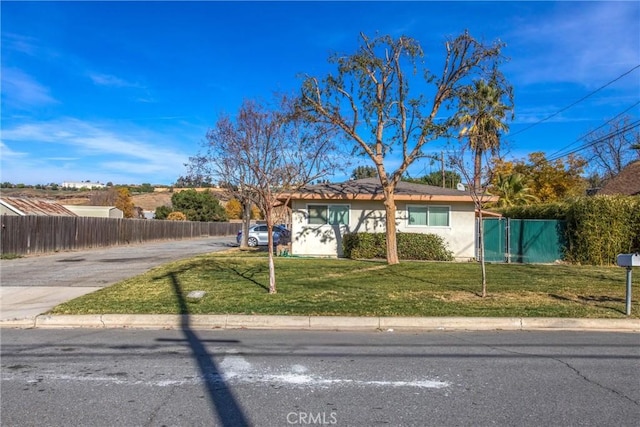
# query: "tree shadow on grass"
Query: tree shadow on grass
248,275
592,300
220,395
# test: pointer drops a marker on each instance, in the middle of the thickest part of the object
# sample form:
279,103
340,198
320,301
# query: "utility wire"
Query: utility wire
576,102
618,132
593,131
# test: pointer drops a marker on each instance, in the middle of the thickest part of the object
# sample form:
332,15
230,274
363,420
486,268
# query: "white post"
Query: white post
628,300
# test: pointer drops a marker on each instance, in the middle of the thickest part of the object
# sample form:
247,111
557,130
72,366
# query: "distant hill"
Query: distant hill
147,201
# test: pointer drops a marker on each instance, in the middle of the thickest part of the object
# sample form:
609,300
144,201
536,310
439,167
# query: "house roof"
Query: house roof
371,189
42,207
627,182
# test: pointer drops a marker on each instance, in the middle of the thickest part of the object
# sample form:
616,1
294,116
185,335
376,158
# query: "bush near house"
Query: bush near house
414,246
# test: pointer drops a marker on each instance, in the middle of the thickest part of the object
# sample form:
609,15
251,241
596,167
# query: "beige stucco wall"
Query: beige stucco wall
96,211
369,216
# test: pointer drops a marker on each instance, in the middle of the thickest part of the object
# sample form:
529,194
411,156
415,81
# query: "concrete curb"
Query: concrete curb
331,323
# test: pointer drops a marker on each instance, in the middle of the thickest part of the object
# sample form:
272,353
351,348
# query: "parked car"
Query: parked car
258,235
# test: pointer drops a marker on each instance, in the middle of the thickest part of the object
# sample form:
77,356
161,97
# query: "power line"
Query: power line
617,132
576,102
593,130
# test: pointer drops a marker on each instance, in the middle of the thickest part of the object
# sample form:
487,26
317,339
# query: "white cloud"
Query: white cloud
93,151
111,80
20,90
587,43
6,152
19,43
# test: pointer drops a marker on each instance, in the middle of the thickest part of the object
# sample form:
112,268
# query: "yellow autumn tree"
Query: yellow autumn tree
234,209
124,202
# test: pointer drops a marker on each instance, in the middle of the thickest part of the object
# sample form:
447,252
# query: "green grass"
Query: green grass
237,283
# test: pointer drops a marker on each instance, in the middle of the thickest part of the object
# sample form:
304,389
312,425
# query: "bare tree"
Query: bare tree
477,182
613,148
369,101
267,154
219,160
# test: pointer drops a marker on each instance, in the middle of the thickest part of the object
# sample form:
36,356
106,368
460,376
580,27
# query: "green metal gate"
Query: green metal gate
528,241
495,239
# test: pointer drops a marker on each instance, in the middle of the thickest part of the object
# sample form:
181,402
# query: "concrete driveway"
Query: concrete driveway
32,285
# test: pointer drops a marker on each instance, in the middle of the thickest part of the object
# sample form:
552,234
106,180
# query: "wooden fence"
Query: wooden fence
22,235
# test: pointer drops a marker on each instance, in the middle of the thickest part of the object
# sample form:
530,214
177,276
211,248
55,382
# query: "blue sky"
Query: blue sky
125,91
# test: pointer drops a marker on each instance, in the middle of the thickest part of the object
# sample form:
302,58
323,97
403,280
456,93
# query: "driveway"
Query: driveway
33,285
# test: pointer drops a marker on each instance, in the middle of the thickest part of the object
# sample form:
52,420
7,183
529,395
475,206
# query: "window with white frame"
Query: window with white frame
428,216
328,214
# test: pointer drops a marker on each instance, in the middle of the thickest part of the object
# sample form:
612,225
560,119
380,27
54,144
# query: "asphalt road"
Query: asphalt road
104,266
86,377
34,284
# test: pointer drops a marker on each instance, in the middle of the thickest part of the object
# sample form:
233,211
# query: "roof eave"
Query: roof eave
397,197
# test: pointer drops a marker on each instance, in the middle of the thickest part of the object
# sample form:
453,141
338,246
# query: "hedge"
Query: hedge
556,211
601,227
413,246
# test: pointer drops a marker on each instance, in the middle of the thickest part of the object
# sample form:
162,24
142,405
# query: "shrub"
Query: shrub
414,246
601,227
556,211
177,216
162,212
199,206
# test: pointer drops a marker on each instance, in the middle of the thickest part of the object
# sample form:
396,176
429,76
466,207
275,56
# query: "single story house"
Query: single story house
18,206
96,211
322,214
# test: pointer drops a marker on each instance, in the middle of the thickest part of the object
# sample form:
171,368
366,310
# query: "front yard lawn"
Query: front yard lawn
237,283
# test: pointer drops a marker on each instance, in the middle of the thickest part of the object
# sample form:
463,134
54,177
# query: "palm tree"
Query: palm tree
482,118
513,191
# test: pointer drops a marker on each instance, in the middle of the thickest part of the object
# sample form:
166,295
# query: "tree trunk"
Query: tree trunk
272,268
246,220
390,222
481,250
477,168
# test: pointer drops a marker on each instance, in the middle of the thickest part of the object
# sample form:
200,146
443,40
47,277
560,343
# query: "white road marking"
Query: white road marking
233,369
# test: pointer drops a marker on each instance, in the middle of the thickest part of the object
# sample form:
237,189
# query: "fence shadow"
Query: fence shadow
220,395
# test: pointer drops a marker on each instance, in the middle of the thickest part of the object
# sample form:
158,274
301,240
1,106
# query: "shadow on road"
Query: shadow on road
221,397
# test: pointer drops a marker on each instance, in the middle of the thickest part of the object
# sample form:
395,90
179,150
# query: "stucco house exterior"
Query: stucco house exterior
322,214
